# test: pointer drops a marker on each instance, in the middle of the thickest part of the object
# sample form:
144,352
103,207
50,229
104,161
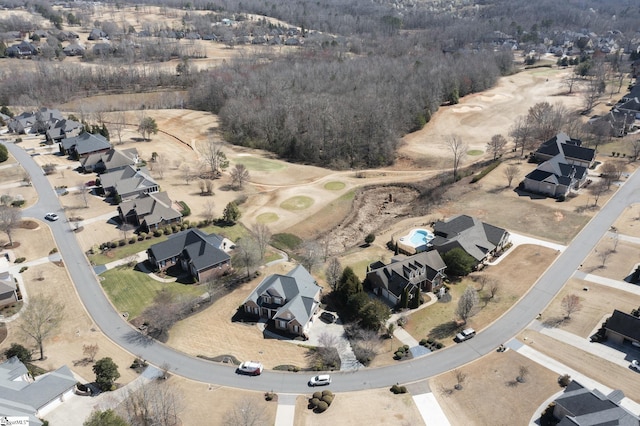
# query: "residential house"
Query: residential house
150,212
620,122
20,395
633,93
74,49
555,177
480,240
84,144
201,255
22,123
287,301
570,148
128,182
623,328
423,271
109,161
578,406
97,34
8,289
24,49
62,129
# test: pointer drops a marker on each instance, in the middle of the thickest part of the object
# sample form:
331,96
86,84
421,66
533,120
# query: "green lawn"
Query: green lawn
269,217
475,152
259,164
300,202
231,232
132,291
334,186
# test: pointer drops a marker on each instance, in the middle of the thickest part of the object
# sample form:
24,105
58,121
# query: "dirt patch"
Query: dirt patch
618,265
493,378
29,224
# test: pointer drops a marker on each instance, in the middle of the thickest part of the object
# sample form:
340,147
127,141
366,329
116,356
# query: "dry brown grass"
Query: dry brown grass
490,379
368,407
516,274
629,221
618,265
595,367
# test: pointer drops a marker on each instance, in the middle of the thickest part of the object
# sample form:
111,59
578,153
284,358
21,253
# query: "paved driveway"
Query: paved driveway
348,361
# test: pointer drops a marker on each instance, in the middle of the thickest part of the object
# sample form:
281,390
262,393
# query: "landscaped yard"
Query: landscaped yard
259,164
516,273
132,291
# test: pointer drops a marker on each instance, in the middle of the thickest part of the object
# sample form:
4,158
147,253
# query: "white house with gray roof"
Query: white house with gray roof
288,301
150,212
84,144
20,395
129,182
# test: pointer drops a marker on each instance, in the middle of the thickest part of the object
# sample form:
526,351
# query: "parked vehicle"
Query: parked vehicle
635,365
465,334
51,217
252,368
321,380
328,317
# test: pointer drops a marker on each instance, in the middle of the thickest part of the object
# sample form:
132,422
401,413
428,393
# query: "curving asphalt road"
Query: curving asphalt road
503,329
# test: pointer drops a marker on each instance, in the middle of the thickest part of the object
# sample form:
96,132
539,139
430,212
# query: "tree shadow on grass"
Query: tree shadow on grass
512,383
444,330
553,322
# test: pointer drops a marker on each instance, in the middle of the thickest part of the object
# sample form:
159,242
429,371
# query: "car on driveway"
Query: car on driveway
51,217
251,368
320,380
465,334
328,317
635,365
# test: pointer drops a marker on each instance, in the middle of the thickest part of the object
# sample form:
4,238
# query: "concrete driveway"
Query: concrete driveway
348,361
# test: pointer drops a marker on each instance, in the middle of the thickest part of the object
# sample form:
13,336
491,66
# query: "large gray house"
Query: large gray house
479,239
423,271
289,301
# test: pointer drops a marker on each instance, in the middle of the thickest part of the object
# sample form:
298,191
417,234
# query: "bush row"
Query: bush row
402,352
320,401
431,344
485,171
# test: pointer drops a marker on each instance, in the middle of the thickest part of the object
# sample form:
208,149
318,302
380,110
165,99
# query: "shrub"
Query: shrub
564,380
113,244
16,203
166,231
327,392
317,395
424,342
322,406
486,171
395,389
157,233
439,345
186,211
19,260
122,243
313,402
142,236
24,268
53,250
328,399
132,240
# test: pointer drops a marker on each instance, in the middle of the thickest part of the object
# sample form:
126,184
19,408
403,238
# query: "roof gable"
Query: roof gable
624,324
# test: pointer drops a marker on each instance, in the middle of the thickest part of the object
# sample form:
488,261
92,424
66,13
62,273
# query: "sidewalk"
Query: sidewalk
617,284
286,411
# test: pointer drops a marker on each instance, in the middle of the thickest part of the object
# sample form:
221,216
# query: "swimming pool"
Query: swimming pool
417,238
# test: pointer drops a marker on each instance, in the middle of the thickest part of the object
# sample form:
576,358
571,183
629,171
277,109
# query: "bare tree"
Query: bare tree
202,186
511,172
247,253
467,305
83,194
209,211
494,289
214,157
245,412
333,272
40,319
185,170
239,175
611,172
597,189
152,403
635,149
310,253
460,378
90,351
523,372
571,304
604,255
458,149
262,234
9,219
570,81
327,350
522,134
496,146
161,165
615,240
118,125
209,185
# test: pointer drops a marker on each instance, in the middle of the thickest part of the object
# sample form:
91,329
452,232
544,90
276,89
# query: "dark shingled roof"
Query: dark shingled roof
202,249
624,324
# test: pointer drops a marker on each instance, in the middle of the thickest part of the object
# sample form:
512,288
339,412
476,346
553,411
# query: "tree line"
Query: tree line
322,108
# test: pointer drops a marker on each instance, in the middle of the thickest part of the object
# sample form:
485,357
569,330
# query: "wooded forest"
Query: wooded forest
366,72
